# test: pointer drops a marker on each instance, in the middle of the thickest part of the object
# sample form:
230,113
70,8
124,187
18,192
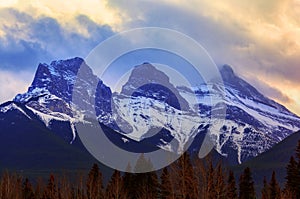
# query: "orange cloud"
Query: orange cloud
65,11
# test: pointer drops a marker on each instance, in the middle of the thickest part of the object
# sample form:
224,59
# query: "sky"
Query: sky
259,39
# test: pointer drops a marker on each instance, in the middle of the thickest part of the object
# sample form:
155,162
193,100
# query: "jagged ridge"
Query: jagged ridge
254,123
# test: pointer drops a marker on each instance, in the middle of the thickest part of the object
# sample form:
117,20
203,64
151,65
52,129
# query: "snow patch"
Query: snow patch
125,140
13,106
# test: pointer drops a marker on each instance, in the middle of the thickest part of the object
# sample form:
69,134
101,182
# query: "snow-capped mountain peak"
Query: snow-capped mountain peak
146,80
149,107
50,94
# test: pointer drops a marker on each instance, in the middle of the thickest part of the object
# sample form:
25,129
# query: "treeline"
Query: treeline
184,179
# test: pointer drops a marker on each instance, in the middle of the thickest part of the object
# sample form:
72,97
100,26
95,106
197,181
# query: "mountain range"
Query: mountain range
40,125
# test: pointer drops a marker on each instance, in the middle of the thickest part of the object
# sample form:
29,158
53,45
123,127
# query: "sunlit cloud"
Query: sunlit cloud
13,83
65,11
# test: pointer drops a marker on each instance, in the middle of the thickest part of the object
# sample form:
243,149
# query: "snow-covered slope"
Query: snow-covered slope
149,103
253,122
137,116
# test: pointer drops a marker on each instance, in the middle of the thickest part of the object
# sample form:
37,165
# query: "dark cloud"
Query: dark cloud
29,41
216,37
16,55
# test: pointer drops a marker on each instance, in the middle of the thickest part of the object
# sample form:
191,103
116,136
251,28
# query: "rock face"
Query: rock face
150,113
50,94
145,80
253,124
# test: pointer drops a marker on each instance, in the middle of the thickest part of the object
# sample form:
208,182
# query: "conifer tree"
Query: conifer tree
11,186
297,173
128,183
298,152
149,187
206,177
210,188
292,186
51,191
153,183
165,186
40,186
265,190
146,184
80,188
65,189
274,188
231,191
220,184
187,183
246,185
142,164
94,183
28,192
291,172
114,189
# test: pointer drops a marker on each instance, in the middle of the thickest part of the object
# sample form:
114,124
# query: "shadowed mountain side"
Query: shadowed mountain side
276,159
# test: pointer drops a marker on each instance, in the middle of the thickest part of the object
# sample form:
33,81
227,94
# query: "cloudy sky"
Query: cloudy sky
259,39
